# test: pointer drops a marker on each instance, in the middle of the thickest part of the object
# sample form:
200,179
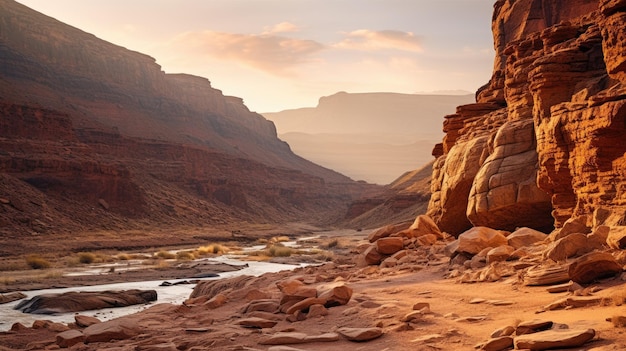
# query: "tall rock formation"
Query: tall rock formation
545,140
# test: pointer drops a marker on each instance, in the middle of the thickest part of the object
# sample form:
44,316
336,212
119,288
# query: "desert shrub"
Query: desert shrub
279,251
185,256
279,239
37,262
211,249
333,244
165,255
86,257
123,257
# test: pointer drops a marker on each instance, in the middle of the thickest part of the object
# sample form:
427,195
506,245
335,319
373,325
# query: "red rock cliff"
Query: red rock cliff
545,140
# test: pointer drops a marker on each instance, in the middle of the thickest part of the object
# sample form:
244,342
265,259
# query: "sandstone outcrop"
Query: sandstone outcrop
544,141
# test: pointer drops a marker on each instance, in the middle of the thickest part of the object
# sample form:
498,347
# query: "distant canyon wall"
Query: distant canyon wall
546,139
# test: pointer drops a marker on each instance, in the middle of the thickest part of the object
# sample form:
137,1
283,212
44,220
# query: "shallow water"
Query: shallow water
166,294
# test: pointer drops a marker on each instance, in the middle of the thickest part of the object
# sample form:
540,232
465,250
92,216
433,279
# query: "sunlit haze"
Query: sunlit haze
282,54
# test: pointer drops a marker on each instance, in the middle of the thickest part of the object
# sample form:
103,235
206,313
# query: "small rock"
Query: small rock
216,301
504,331
554,339
360,334
497,344
411,316
430,338
305,304
533,326
500,302
69,338
525,237
500,253
255,322
471,319
476,239
117,329
317,311
284,338
569,286
420,306
270,306
592,266
371,256
566,247
390,245
85,321
476,300
57,327
336,296
573,302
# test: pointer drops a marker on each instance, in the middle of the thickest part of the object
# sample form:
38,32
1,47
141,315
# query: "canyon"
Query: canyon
94,136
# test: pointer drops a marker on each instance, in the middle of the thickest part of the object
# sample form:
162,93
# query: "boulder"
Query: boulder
597,239
390,245
500,253
69,338
554,339
572,245
522,237
371,256
478,238
572,226
305,304
316,311
117,329
10,297
423,225
528,327
270,306
387,231
360,334
497,344
592,266
337,295
85,321
84,301
616,237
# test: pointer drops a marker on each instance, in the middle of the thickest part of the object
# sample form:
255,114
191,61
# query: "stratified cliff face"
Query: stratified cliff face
95,136
545,141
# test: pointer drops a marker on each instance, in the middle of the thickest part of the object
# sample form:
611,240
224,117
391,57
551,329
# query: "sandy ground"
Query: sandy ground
381,297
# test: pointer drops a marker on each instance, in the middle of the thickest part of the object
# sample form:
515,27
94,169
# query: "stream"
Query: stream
175,294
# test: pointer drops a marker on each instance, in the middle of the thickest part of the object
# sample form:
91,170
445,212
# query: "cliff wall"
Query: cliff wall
544,143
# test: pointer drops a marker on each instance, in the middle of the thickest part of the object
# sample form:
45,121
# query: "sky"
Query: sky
284,54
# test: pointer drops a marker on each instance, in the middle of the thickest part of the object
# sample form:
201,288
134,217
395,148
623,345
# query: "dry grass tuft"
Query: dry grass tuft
37,262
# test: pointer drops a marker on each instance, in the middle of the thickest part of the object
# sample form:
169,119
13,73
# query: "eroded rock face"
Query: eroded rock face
549,126
84,301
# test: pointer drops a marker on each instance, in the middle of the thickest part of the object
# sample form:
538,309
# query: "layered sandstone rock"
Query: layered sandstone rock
551,147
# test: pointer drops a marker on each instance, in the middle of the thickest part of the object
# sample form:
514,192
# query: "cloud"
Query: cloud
282,27
267,52
369,40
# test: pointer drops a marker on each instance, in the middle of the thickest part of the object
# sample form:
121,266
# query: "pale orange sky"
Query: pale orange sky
282,54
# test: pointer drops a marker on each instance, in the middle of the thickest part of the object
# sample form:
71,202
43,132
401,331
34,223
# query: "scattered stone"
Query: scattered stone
371,256
85,321
546,275
255,322
387,231
597,239
296,289
369,304
285,338
500,253
421,306
390,245
476,239
117,329
476,300
573,302
569,286
305,304
616,238
524,236
412,316
360,334
571,226
500,302
533,326
430,338
471,319
10,297
572,245
593,266
57,327
504,331
554,339
497,344
336,296
69,338
317,311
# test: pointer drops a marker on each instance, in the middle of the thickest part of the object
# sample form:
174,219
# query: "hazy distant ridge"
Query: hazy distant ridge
371,136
